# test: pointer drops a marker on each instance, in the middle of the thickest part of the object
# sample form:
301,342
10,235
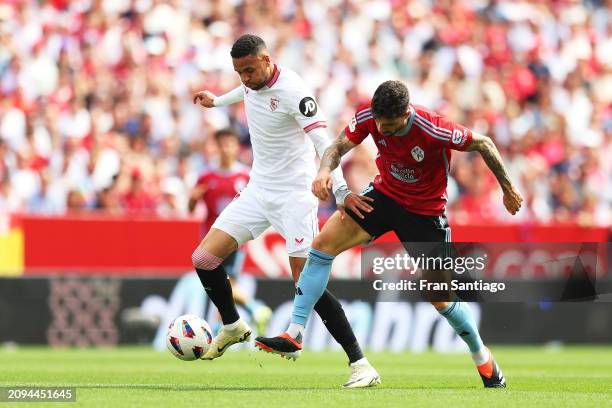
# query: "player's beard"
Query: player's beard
258,86
263,83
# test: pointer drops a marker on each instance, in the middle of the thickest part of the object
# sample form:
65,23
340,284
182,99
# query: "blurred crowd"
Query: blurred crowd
96,107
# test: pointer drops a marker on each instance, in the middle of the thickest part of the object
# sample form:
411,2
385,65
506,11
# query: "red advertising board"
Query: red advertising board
145,246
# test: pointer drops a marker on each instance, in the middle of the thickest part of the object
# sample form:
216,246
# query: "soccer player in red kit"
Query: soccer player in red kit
217,187
407,197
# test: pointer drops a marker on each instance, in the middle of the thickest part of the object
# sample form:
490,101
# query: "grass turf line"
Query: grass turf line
131,376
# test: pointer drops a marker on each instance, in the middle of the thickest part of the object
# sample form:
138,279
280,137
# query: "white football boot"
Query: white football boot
225,338
362,375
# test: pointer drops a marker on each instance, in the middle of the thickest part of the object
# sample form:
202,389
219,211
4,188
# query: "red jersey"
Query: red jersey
221,186
414,167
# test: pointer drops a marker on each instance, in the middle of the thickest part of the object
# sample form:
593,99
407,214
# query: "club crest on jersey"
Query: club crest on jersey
274,103
418,154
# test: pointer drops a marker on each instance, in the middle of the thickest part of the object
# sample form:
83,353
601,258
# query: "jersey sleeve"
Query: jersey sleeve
202,180
234,96
357,129
444,131
304,108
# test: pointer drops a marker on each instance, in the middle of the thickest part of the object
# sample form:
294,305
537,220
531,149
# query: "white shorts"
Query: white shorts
292,213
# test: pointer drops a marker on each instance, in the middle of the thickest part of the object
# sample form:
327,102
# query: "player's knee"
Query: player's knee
202,259
321,243
439,305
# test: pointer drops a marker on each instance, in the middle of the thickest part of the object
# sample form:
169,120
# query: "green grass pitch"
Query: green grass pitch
137,377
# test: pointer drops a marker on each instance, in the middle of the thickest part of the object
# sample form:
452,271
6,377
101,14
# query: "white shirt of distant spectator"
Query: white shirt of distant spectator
280,115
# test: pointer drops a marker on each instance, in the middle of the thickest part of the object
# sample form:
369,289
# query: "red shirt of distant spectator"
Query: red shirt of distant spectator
414,167
137,199
221,188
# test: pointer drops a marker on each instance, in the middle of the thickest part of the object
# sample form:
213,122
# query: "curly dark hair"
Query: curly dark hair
247,44
390,100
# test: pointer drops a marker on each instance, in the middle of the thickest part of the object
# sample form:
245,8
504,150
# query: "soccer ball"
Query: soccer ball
189,337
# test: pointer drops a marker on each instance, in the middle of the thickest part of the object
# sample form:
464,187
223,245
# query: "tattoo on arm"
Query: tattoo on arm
492,158
332,155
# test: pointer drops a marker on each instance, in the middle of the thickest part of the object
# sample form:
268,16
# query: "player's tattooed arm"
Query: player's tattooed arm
333,154
487,149
323,182
330,160
485,146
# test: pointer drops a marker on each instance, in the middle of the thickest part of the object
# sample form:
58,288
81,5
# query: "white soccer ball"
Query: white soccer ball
189,337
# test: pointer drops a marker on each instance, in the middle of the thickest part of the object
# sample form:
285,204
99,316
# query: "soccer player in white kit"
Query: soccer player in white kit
286,127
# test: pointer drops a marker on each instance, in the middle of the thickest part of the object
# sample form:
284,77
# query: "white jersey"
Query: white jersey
279,117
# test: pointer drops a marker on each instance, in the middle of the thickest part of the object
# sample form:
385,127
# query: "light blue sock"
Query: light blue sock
459,316
311,285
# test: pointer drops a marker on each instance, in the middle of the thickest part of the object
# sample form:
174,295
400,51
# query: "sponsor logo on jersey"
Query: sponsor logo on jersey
404,174
352,124
274,103
308,107
418,154
458,136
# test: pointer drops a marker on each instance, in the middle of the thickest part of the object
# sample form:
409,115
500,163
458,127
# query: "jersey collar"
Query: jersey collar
405,130
274,77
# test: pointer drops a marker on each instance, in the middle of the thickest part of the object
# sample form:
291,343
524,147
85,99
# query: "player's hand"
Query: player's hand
204,98
322,184
512,200
357,204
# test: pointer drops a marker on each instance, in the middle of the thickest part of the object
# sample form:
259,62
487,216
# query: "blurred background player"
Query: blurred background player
408,197
286,129
216,188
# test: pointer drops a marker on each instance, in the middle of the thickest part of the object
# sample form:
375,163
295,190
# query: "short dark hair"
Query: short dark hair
227,132
247,44
390,100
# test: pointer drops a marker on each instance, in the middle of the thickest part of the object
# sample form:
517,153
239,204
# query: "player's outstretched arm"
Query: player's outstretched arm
485,146
209,100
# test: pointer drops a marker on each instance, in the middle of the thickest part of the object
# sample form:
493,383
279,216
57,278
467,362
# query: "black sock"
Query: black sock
331,312
219,290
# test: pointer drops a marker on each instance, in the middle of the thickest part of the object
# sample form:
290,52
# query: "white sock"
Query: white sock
361,361
295,330
232,326
481,356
